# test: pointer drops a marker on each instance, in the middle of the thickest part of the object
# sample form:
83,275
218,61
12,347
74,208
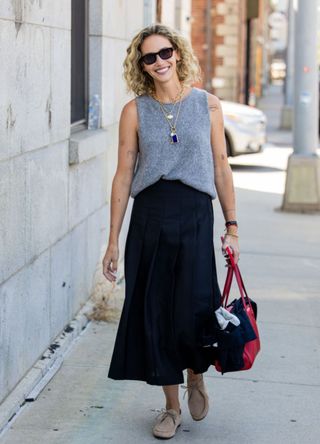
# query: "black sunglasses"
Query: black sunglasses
151,57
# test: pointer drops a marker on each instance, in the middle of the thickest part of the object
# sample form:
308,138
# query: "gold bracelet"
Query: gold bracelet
233,235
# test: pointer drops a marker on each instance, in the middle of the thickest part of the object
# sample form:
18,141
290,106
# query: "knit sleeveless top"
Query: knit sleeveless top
190,160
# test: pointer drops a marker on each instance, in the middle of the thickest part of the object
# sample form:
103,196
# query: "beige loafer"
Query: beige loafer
198,399
167,423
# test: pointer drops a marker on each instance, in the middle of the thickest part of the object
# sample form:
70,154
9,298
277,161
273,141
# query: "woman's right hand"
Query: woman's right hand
110,262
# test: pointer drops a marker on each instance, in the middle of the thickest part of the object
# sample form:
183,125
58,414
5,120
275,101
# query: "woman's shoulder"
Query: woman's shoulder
129,112
133,104
130,108
212,100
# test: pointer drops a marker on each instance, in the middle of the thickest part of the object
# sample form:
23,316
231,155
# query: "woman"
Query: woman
170,271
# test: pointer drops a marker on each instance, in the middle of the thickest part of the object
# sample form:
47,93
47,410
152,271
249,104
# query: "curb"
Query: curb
29,387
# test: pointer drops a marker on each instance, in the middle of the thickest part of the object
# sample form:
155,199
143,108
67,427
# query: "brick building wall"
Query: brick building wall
223,74
228,48
198,34
218,31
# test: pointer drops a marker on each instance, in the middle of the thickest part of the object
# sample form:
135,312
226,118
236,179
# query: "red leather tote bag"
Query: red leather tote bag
245,309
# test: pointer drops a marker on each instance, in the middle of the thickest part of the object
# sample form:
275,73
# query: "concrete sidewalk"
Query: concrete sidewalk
278,401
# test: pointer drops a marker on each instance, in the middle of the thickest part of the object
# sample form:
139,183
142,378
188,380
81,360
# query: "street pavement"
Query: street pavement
277,401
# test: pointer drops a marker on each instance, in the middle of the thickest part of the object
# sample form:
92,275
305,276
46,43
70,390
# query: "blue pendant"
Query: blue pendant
174,137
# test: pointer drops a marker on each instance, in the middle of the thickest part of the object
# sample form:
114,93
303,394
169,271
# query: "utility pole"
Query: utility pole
287,110
302,192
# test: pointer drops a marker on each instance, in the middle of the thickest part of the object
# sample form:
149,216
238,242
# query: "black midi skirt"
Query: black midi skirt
171,288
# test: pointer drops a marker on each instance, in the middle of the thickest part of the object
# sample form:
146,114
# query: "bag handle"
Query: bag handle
227,285
233,268
229,278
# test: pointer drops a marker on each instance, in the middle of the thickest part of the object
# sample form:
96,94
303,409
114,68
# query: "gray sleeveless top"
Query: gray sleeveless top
190,160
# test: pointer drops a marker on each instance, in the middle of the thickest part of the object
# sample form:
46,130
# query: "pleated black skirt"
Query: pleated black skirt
171,288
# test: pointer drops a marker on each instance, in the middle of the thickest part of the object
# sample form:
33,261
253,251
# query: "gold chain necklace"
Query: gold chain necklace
174,101
169,117
169,114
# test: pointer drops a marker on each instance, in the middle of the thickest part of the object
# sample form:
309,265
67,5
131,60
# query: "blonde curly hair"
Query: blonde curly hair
140,82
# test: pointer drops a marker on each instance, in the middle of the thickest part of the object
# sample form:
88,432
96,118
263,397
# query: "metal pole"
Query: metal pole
289,92
287,110
302,191
248,58
306,100
265,48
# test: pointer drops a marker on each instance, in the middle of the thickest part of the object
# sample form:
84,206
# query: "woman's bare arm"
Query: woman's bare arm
222,171
121,184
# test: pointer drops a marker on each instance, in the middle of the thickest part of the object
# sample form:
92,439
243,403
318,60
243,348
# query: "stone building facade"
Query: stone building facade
55,178
55,174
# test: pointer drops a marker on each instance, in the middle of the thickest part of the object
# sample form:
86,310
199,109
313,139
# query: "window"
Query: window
79,39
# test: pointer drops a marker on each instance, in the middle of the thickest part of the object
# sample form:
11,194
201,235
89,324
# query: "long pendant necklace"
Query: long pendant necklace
173,131
169,117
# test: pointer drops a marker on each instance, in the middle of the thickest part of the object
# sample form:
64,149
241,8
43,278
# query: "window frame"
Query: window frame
81,124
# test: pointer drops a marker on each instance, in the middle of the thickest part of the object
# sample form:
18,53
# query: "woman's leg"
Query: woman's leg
198,400
172,397
193,377
168,421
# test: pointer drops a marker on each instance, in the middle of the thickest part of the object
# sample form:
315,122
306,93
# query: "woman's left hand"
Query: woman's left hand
233,244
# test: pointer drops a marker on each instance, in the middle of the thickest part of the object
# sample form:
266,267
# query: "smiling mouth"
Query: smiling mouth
162,70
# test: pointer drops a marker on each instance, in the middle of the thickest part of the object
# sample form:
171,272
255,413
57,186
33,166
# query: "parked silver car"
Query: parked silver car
245,128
